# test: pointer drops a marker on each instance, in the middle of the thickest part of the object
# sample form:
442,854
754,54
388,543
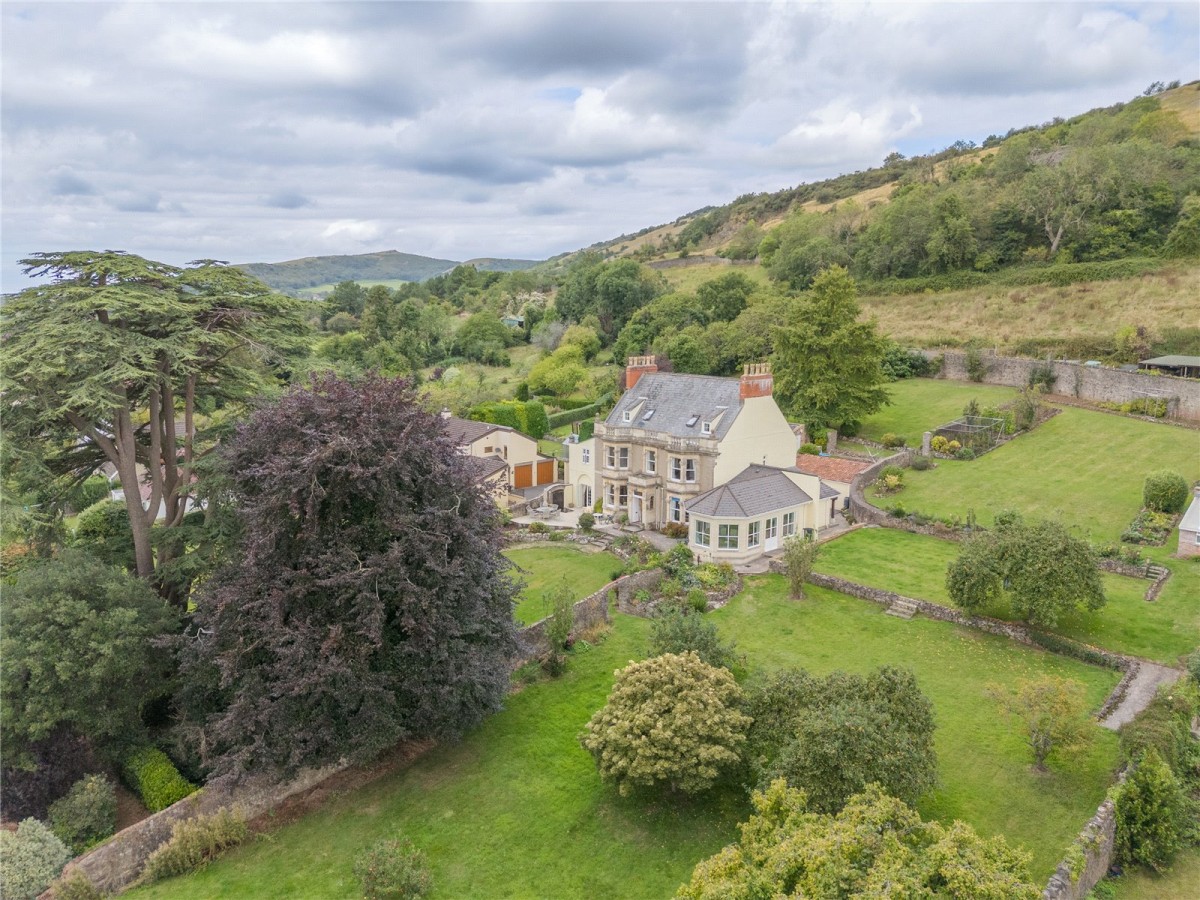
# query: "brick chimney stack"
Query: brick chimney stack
757,381
636,367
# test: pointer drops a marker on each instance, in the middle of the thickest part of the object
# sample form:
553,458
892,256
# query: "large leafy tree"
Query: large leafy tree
828,364
1041,569
81,651
876,846
671,722
370,603
113,359
833,736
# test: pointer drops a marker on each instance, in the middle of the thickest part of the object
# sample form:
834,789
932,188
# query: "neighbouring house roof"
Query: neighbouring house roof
1191,518
756,490
1173,361
466,431
677,399
484,467
831,468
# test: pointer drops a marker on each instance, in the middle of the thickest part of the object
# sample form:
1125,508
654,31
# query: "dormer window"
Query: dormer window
627,416
706,428
691,423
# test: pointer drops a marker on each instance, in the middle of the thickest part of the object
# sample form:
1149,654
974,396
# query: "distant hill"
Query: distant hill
298,275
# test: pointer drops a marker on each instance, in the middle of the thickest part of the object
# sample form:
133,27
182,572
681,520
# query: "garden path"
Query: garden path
1140,692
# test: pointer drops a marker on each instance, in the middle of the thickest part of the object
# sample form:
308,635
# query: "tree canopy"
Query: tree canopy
876,846
828,365
82,650
369,603
1040,568
114,359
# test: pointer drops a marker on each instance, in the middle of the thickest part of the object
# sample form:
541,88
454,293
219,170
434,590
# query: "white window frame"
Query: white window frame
754,534
587,454
627,416
706,427
623,496
771,530
689,471
728,537
610,457
652,462
622,457
610,496
676,469
789,524
703,533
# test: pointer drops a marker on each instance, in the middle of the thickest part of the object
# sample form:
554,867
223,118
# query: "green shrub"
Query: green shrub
810,449
1150,808
103,530
1164,727
392,868
921,463
558,536
676,630
538,528
90,492
194,843
30,858
939,444
715,575
86,815
965,453
675,530
155,779
1165,491
976,369
1149,527
587,522
891,441
76,887
697,600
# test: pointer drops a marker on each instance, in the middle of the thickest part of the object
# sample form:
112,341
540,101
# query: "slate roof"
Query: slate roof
465,431
676,399
756,490
830,467
484,467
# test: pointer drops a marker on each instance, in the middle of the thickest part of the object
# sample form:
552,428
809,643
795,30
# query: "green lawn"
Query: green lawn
1180,883
983,763
915,565
922,404
1084,467
543,568
516,809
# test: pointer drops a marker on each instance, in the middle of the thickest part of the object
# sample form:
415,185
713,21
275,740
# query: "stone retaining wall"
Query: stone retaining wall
1089,857
1094,383
589,612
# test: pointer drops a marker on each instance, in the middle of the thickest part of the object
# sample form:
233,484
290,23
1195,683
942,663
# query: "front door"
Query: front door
585,497
635,507
771,535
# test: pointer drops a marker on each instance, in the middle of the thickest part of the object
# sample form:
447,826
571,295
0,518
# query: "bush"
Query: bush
392,868
697,600
90,492
921,463
891,441
1042,376
670,722
155,779
1149,527
675,530
86,815
1149,811
976,369
194,843
587,522
30,858
103,530
939,444
538,528
1165,492
715,575
964,453
1164,726
676,630
810,449
76,887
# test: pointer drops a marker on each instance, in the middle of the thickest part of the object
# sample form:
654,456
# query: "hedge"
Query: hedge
528,417
567,416
155,779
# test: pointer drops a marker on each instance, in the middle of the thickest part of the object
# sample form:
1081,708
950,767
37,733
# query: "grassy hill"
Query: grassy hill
317,274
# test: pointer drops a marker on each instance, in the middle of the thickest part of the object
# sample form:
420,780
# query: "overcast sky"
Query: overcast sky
265,132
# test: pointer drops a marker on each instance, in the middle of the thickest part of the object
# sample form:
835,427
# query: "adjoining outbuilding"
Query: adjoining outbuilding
1182,366
1189,529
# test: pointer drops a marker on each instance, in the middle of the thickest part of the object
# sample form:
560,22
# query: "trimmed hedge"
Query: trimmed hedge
152,775
527,417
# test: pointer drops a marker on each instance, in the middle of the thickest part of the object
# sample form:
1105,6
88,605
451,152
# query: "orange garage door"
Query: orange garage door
523,475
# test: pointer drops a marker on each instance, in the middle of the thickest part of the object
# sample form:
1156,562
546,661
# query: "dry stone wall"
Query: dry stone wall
1089,859
1098,384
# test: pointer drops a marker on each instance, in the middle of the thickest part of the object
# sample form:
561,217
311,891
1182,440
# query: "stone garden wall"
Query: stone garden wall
1093,383
1088,859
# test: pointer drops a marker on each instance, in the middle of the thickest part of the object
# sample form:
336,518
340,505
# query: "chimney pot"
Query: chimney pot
757,381
636,367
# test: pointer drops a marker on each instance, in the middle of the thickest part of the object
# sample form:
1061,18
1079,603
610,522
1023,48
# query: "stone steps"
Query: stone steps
902,609
1154,572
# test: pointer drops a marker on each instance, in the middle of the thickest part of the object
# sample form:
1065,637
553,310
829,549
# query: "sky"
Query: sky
260,132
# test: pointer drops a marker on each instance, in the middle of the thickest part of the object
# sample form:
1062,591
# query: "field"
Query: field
516,809
686,279
1178,884
1084,467
922,404
915,565
545,568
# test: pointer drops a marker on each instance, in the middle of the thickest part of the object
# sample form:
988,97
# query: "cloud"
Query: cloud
66,183
287,200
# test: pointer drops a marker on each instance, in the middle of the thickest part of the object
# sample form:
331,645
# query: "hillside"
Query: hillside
318,272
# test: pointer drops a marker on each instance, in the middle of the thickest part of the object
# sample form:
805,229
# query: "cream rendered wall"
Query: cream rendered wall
580,473
521,447
743,554
760,434
816,514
